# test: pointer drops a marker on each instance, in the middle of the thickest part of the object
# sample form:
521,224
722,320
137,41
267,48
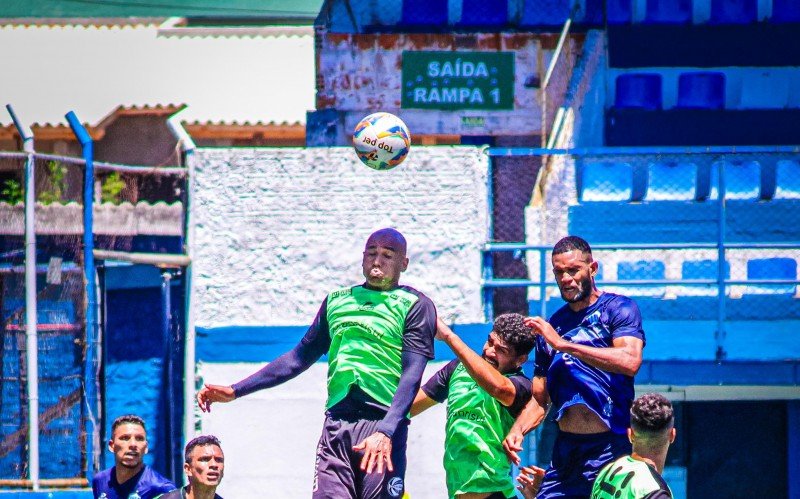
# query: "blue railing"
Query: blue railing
490,282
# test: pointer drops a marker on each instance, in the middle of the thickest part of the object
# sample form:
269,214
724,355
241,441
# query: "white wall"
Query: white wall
276,229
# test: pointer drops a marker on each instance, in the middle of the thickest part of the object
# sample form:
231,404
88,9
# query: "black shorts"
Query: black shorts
337,471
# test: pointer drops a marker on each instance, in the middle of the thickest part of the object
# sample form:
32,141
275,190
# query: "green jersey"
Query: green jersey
477,423
368,331
628,478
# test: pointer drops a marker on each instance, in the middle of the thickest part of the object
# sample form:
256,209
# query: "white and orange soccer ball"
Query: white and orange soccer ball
381,141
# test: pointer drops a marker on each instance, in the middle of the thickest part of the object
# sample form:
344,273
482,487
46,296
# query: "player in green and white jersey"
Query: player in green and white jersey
484,395
378,337
638,476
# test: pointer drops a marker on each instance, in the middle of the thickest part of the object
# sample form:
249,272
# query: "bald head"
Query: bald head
388,238
384,259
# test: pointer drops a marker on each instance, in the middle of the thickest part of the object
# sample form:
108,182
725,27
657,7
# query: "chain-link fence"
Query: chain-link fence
126,219
673,228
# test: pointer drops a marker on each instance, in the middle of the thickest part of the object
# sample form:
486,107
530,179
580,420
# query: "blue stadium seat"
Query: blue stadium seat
733,11
671,181
787,180
701,90
703,269
619,11
642,270
638,91
424,13
668,12
785,11
742,180
607,182
762,88
484,13
544,12
771,268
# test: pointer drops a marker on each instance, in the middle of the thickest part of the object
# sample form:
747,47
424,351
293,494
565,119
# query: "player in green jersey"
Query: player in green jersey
378,337
484,395
638,476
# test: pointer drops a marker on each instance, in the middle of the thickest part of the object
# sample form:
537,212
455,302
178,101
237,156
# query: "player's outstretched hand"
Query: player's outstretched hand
530,480
377,448
512,445
214,393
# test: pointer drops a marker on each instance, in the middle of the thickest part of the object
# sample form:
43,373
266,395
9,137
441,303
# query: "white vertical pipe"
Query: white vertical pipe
31,333
188,147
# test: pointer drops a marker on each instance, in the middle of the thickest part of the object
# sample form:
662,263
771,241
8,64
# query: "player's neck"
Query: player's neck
124,473
654,459
200,492
586,302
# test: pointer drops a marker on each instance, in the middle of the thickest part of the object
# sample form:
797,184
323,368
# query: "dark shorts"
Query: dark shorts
337,472
577,459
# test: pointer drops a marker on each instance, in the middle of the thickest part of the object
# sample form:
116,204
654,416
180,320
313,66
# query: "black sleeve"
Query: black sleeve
438,386
314,344
420,328
407,388
523,394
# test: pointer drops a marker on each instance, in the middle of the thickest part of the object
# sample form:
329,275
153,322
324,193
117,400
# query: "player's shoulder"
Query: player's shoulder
156,480
614,300
101,477
420,298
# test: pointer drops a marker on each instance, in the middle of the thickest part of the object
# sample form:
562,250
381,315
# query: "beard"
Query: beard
584,289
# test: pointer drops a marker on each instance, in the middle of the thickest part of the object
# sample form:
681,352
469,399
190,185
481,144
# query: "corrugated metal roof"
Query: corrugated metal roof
50,70
267,9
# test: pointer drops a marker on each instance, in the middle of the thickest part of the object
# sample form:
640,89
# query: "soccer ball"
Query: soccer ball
381,141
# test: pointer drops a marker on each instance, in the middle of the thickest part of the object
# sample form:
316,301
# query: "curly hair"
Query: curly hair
198,441
652,413
571,243
513,331
128,419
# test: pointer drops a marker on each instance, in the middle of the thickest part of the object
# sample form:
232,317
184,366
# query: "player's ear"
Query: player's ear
593,267
521,360
111,444
672,434
630,435
405,264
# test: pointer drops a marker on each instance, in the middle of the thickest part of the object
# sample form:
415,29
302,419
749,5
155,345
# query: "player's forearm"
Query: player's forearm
530,417
619,360
407,388
282,369
487,377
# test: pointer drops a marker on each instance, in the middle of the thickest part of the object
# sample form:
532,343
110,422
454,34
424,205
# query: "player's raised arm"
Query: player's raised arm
313,345
480,369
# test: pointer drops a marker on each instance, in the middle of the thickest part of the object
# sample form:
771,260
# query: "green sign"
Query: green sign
458,80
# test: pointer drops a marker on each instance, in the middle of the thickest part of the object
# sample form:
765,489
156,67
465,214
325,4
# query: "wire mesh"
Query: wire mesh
135,209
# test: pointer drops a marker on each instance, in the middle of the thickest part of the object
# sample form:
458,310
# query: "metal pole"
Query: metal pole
720,336
189,360
31,329
92,369
166,304
542,283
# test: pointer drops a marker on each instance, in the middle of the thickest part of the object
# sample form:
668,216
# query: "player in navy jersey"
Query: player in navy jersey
129,478
378,337
585,359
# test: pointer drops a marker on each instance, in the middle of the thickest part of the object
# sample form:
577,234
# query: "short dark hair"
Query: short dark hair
128,419
571,243
198,441
652,413
512,330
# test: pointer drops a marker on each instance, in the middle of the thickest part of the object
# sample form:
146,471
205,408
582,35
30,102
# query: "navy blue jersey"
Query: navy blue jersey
147,484
571,381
